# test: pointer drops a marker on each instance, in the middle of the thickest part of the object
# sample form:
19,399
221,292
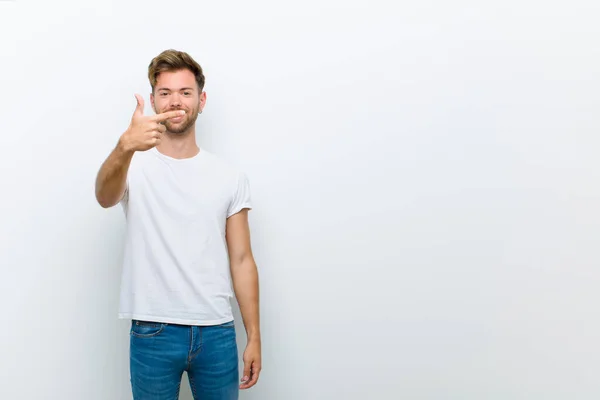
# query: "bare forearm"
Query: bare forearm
112,177
245,283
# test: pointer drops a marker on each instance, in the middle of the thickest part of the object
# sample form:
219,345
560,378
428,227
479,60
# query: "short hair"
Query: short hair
174,60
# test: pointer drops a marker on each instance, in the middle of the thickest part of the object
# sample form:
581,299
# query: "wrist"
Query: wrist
123,146
253,337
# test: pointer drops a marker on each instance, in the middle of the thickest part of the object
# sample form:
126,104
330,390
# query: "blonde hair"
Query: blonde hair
174,60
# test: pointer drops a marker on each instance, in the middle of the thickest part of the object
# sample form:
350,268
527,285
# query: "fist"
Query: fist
145,132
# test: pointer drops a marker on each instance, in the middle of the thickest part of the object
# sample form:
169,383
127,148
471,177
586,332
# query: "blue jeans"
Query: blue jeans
159,353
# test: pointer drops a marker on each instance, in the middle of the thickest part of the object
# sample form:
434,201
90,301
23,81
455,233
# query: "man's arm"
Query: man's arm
111,180
143,133
245,282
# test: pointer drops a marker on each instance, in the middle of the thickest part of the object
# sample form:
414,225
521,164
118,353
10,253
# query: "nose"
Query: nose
175,100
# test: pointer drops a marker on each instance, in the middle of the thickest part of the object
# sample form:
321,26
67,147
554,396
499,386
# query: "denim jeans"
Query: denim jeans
159,353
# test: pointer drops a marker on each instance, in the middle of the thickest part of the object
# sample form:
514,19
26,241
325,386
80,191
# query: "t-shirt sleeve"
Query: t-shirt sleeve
125,198
241,197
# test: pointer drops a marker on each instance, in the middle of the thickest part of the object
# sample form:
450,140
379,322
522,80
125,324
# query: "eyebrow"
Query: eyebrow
185,88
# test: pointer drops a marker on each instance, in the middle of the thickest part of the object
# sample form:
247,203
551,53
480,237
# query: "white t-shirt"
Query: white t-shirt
176,263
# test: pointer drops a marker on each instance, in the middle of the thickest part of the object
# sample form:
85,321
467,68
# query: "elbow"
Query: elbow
103,201
106,197
104,204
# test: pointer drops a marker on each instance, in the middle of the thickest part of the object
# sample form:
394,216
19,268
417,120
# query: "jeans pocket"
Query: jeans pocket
145,329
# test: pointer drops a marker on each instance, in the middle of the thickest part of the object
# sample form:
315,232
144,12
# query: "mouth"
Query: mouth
176,119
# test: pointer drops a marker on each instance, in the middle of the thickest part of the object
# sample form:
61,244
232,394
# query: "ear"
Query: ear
202,100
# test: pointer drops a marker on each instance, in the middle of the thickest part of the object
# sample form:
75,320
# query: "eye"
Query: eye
187,93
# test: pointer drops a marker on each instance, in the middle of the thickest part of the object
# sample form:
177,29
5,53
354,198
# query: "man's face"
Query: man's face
178,90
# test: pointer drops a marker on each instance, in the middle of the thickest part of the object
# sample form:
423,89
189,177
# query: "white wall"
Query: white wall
424,175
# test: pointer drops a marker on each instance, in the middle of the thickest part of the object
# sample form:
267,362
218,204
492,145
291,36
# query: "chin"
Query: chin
176,131
178,128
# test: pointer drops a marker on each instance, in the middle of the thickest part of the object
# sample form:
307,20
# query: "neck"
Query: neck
179,145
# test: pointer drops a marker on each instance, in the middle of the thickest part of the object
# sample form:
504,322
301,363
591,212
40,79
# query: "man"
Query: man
187,245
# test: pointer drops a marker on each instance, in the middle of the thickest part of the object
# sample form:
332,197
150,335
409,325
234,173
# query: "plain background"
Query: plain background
424,178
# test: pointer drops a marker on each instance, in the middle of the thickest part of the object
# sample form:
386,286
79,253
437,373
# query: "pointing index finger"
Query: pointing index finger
169,114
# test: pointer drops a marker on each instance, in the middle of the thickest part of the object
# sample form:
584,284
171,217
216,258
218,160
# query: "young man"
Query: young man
187,245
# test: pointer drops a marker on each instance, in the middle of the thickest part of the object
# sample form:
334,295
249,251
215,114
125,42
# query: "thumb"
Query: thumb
139,109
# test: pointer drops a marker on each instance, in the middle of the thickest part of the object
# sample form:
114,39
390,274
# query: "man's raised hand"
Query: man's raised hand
145,132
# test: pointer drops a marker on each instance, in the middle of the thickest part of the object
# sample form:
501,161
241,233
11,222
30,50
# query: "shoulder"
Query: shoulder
233,180
225,168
